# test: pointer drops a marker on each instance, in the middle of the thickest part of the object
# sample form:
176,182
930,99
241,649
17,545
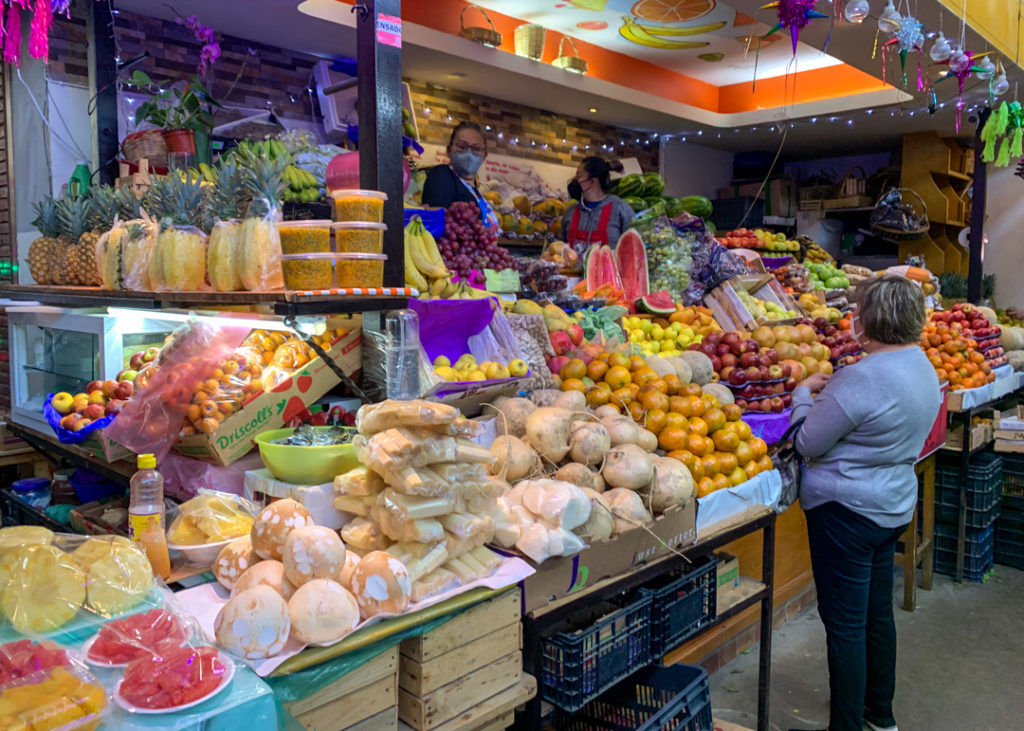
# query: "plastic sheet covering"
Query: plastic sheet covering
762,489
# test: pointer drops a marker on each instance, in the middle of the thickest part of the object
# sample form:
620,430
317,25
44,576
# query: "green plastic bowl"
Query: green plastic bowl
305,465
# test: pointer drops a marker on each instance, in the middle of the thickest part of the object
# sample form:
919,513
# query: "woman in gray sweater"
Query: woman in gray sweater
860,439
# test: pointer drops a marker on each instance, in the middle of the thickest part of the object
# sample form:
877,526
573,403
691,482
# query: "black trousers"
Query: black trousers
852,559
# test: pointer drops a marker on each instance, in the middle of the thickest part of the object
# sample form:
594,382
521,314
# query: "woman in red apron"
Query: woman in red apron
597,217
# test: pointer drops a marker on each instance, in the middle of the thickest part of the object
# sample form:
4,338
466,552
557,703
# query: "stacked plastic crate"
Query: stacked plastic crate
1009,534
984,487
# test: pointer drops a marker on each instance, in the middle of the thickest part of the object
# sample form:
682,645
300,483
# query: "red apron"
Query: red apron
581,241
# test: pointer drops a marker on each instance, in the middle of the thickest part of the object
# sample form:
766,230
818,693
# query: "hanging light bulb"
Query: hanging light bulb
988,66
941,50
1000,86
959,61
856,10
889,20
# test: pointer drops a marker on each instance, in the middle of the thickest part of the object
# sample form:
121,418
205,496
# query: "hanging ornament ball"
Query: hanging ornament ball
907,33
856,10
889,20
959,62
1000,86
988,66
941,50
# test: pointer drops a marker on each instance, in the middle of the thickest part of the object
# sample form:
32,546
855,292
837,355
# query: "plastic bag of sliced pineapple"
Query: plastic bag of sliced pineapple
137,244
209,519
178,263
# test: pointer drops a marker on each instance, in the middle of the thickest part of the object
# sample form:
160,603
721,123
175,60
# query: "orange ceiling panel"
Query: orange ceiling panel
807,86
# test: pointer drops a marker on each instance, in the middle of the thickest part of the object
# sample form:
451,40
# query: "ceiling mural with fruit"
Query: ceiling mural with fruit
706,39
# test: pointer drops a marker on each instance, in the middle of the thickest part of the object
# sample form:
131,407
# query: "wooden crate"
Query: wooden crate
480,621
364,699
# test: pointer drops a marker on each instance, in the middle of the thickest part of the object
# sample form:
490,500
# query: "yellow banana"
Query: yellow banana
637,34
449,290
413,278
429,244
427,267
693,30
437,287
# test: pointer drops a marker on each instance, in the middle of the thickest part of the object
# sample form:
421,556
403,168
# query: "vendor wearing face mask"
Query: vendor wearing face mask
598,217
447,184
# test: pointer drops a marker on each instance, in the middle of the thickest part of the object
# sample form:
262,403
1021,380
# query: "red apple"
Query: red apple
729,360
708,349
94,386
787,370
789,384
150,354
716,363
787,400
127,375
81,424
737,347
731,337
777,404
775,372
753,373
742,403
135,362
68,422
124,390
737,376
722,349
748,360
763,371
712,339
752,346
773,356
109,387
113,406
778,388
94,411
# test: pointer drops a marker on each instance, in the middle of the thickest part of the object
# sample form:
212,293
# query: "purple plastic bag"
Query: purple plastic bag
769,427
446,325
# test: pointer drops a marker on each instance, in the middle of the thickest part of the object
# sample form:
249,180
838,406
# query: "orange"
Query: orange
738,476
617,407
692,389
622,396
636,410
705,487
673,383
696,444
672,419
710,463
597,369
653,400
691,461
698,426
765,464
725,441
672,11
672,438
654,420
710,401
645,375
752,468
633,389
619,360
715,418
598,397
680,405
575,368
744,453
636,362
732,412
759,447
604,355
720,482
743,431
617,377
726,462
697,405
574,384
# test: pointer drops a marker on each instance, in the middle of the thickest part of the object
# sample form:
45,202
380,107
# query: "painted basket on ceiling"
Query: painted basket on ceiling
479,34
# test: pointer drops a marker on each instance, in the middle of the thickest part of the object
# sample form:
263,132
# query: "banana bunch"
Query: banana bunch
269,148
466,292
665,37
303,186
208,172
816,254
424,268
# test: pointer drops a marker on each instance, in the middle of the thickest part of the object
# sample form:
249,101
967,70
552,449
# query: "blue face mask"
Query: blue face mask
466,162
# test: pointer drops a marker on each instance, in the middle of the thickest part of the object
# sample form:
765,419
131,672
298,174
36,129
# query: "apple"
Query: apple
830,330
787,370
763,371
722,349
742,403
764,361
777,404
775,372
127,375
787,400
773,357
113,406
708,349
62,402
713,339
81,424
80,401
747,392
778,388
748,360
94,386
94,411
752,346
737,347
716,363
557,363
724,373
729,360
125,389
731,337
737,376
108,388
789,384
135,362
753,373
517,368
68,422
150,354
575,333
97,397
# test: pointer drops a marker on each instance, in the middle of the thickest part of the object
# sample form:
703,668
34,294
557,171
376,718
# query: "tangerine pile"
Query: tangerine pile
692,426
954,356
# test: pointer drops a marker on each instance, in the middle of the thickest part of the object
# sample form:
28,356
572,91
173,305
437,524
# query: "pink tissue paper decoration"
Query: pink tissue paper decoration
12,43
39,34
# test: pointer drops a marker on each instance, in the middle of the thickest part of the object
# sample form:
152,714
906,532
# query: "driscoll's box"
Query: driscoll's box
265,410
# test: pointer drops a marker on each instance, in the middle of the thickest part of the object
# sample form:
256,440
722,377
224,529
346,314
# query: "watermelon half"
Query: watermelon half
631,258
657,303
602,269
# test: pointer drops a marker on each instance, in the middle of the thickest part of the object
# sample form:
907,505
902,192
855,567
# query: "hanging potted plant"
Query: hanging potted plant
179,112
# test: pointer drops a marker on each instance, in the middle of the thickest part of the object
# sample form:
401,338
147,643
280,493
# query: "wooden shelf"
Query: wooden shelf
120,472
952,174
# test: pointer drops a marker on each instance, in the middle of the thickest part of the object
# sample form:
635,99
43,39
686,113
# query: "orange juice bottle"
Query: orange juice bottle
146,514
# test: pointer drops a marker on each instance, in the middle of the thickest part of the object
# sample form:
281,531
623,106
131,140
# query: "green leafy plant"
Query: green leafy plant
170,107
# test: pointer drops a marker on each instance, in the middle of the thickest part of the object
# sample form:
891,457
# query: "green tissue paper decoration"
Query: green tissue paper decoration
1005,129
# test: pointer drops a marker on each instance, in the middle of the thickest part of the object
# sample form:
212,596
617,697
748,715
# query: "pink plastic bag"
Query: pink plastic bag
152,419
184,477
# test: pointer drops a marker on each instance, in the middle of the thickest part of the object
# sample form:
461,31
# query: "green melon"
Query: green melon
654,185
630,186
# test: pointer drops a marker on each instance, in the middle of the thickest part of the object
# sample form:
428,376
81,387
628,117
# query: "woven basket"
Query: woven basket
570,63
148,144
529,39
852,184
479,34
897,234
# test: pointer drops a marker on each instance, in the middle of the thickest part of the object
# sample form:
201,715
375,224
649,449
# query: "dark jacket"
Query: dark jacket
442,188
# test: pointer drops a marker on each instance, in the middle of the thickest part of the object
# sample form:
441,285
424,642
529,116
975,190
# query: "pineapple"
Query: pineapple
178,262
226,205
79,261
107,224
259,254
46,254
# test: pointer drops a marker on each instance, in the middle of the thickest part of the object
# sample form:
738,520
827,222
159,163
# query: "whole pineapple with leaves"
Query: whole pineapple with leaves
105,210
79,260
227,202
178,262
46,253
259,255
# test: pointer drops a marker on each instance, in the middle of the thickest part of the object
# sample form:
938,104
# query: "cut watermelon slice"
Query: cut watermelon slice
631,259
601,269
657,303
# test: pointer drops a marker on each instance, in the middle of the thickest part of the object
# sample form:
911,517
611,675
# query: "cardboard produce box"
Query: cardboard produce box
266,410
557,578
728,571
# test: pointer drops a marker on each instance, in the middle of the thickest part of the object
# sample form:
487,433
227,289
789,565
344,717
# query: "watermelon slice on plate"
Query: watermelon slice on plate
133,637
631,259
179,679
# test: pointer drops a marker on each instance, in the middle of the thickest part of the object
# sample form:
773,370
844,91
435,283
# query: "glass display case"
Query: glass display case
54,349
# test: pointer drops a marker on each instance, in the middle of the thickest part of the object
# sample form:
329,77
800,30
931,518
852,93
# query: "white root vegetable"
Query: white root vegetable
549,430
603,412
515,459
511,415
672,484
628,466
533,542
628,510
589,443
646,440
571,401
621,430
545,396
600,524
581,476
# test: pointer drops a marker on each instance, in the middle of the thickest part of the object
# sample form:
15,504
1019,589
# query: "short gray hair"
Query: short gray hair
891,309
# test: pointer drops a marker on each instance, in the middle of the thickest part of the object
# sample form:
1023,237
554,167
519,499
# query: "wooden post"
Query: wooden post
379,71
975,272
103,83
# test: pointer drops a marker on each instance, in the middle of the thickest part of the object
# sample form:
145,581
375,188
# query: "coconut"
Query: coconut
233,561
274,523
322,612
253,624
700,366
313,552
264,573
720,392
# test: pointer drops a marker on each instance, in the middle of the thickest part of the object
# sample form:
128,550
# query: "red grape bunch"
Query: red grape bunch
468,244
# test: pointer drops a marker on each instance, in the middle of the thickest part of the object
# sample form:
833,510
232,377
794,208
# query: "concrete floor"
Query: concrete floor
960,664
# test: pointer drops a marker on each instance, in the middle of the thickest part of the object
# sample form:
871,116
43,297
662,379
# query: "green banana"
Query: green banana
635,33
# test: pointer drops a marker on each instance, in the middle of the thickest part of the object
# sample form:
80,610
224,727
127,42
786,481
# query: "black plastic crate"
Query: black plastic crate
979,500
15,511
976,542
1013,482
976,519
729,212
655,699
683,603
1009,540
975,567
601,646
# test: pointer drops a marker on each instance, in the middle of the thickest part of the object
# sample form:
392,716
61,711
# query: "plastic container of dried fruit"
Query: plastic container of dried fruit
359,205
358,237
305,237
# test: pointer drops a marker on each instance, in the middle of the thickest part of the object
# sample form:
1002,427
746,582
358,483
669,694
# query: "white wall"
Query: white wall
690,169
1004,226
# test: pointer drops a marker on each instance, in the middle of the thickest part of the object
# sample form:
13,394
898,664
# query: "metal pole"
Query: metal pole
974,273
104,77
379,70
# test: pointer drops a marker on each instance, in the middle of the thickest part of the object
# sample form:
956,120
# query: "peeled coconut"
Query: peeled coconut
345,575
322,612
274,523
700,366
381,583
720,392
313,552
264,573
253,624
233,561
